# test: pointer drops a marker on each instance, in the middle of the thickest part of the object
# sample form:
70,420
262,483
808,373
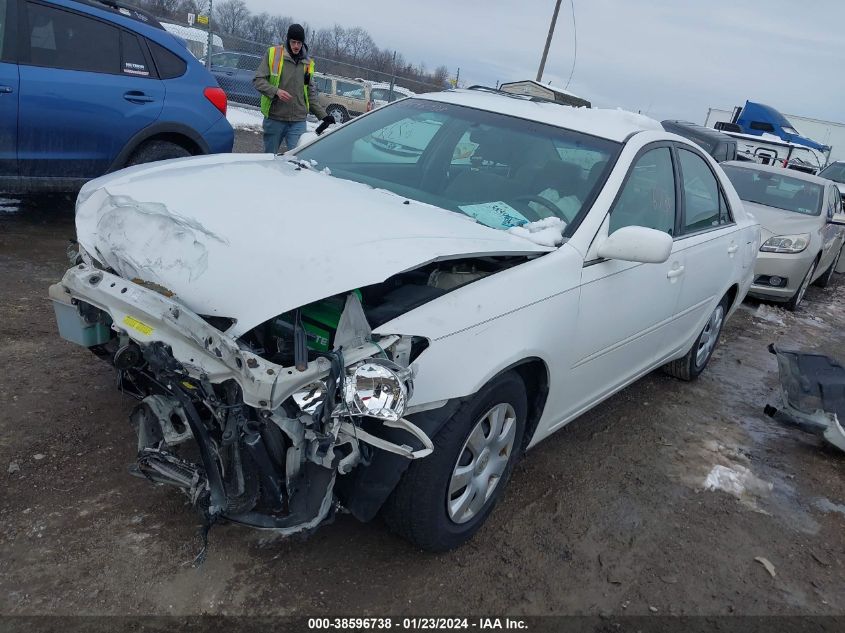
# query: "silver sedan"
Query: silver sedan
802,228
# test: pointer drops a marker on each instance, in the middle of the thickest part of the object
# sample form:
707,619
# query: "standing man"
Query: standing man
283,79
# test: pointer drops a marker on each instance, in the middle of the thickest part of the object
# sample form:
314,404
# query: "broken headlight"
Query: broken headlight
376,388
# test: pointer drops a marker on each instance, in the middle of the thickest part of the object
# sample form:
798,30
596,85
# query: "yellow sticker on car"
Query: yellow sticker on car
137,325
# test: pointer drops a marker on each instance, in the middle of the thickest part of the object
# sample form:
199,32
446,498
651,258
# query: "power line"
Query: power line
575,38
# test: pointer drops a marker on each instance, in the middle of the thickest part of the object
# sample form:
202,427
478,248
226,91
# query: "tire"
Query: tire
690,366
827,276
151,151
340,114
418,507
798,297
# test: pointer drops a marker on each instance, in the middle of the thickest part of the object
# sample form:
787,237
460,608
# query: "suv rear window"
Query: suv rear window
134,60
169,65
61,39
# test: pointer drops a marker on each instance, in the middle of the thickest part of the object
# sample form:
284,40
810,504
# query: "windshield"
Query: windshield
775,190
499,170
834,172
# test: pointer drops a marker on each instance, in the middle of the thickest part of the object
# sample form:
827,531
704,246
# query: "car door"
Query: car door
247,65
627,310
224,67
86,88
9,85
713,245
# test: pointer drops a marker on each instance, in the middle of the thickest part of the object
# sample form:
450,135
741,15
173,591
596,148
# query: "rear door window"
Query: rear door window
61,39
134,60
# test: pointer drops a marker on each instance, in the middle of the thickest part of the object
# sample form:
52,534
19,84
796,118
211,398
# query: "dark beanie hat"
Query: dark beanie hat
296,32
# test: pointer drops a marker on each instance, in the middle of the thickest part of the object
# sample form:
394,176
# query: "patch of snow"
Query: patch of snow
826,505
545,232
735,481
770,314
244,118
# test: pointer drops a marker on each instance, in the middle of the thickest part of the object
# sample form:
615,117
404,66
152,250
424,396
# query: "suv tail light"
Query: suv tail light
217,98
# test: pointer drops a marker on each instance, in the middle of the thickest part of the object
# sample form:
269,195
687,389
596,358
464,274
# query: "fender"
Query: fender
157,129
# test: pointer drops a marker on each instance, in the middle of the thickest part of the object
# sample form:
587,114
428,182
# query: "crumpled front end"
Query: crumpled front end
257,428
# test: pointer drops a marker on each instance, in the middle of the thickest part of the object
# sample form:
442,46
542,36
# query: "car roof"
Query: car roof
792,173
614,125
693,130
125,10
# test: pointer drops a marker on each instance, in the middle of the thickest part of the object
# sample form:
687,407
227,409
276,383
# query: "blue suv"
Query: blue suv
91,86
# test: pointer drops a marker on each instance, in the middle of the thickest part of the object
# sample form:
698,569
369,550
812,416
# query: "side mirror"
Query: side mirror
637,244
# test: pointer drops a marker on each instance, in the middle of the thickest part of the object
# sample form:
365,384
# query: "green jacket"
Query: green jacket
293,80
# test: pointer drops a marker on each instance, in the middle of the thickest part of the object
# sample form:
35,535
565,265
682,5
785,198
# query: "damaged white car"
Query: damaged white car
385,321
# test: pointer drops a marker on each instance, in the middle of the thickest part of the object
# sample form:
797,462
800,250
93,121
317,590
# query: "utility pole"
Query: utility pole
458,77
208,46
548,42
392,78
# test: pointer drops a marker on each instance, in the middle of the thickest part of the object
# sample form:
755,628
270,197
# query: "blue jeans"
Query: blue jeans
277,131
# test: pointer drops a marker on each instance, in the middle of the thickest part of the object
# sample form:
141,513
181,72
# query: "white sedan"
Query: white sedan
384,332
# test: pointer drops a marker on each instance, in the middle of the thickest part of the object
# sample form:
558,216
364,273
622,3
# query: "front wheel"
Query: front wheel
690,366
442,500
798,297
827,276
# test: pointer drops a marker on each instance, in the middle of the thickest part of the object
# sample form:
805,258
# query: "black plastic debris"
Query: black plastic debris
813,394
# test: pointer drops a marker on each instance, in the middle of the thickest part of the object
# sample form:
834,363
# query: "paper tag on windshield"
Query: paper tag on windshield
497,215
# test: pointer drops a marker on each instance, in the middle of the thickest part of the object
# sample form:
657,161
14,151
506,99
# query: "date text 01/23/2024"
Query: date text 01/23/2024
415,624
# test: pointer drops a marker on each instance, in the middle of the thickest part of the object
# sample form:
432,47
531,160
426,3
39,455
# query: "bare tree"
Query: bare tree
230,16
279,28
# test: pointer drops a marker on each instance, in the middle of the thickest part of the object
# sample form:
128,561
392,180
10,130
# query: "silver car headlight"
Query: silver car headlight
786,243
377,388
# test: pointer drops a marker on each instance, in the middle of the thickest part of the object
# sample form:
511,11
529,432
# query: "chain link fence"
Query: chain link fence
234,61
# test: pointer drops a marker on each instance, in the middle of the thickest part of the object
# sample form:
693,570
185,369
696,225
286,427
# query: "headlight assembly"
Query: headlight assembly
376,388
786,243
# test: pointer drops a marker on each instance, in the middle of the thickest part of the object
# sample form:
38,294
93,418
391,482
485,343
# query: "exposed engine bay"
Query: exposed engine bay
257,429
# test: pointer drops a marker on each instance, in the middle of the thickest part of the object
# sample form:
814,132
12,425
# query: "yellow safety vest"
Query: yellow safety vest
276,59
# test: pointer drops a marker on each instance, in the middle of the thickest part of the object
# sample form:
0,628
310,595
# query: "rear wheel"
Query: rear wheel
151,151
695,360
443,499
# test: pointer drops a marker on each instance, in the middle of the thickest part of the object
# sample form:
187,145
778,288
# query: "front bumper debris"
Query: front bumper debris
813,394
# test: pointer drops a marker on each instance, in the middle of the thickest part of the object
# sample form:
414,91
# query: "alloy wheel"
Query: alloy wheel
709,336
481,463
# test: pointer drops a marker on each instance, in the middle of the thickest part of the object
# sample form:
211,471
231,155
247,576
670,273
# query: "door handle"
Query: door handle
675,272
136,96
5,89
733,248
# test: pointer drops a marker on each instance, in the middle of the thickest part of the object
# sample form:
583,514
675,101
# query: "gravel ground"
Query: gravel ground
608,516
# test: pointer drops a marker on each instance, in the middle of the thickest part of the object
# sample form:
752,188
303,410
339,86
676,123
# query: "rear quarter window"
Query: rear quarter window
169,65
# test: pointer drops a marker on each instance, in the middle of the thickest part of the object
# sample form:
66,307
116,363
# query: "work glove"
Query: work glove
326,122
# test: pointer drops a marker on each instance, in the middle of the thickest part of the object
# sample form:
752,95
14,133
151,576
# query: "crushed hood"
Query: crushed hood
252,236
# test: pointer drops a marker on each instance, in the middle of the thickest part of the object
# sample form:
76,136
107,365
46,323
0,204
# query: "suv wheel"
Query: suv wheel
151,151
443,499
339,113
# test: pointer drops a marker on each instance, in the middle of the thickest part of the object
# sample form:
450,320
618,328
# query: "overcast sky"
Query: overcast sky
666,58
